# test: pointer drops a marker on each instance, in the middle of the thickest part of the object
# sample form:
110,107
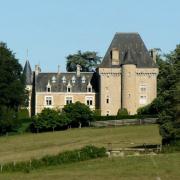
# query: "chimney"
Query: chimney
78,68
37,69
153,54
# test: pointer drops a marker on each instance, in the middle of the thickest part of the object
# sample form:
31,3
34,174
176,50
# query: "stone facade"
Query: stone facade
126,78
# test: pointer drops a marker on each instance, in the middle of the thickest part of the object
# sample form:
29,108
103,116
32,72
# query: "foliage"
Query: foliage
169,91
12,89
88,61
49,119
106,118
167,103
11,79
8,119
86,153
78,113
122,112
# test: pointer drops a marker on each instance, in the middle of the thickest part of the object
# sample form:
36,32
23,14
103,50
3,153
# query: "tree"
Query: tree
167,103
169,91
78,113
88,61
49,119
12,88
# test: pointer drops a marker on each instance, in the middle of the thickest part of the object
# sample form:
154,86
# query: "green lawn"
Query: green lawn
27,146
157,167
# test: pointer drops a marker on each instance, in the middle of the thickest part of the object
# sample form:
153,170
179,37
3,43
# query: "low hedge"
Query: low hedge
86,153
106,118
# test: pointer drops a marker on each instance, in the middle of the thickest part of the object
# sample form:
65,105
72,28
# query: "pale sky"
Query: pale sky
53,29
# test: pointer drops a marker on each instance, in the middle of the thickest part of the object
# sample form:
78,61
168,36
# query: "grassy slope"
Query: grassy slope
26,146
164,166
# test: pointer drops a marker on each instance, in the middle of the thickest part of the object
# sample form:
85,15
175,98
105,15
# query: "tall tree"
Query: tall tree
11,84
167,103
88,61
169,92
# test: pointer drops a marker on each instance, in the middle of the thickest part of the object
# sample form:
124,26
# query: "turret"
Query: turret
27,73
29,83
129,84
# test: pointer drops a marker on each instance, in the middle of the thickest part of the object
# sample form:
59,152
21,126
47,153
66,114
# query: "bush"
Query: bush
122,112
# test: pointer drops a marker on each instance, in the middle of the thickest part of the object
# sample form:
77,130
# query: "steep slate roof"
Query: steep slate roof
27,73
132,50
42,80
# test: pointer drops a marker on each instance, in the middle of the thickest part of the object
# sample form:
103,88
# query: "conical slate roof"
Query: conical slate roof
27,73
132,50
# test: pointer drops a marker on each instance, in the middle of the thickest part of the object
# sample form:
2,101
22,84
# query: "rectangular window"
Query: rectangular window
89,101
107,101
48,89
48,101
143,88
143,99
68,100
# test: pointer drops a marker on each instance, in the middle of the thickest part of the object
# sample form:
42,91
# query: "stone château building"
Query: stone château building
126,78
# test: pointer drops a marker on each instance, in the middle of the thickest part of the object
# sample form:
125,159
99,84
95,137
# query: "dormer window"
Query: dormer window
83,79
89,87
64,79
48,87
53,79
69,87
73,79
115,56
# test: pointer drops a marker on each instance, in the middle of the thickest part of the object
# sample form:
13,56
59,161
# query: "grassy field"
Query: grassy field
27,146
157,167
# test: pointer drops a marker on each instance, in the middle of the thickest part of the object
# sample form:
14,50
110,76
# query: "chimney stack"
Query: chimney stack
37,69
78,69
153,54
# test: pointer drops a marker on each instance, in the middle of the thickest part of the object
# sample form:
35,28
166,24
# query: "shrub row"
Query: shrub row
86,153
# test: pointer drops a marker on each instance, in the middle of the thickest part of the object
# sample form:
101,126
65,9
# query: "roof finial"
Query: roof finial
27,53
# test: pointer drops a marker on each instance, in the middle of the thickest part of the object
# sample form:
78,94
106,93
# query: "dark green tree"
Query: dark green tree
12,89
88,61
169,91
79,114
167,103
49,119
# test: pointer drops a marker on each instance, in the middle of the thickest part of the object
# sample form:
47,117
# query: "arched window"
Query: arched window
89,87
69,87
48,87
